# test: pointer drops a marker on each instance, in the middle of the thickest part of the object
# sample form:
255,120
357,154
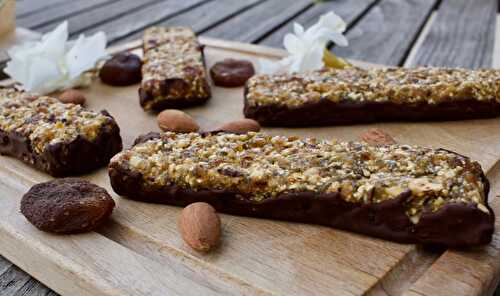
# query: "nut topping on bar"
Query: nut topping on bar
172,54
46,121
260,167
395,85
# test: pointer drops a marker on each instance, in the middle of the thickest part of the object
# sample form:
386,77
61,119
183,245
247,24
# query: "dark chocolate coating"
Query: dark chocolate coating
67,205
122,69
146,137
326,112
177,103
454,225
231,72
64,159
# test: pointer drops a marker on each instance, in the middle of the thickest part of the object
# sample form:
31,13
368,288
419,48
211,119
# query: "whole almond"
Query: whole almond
241,126
176,121
72,96
377,137
199,226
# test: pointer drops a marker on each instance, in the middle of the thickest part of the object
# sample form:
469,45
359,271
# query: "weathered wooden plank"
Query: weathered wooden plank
4,265
386,33
418,43
462,35
257,21
58,12
141,18
349,10
99,15
34,288
26,7
204,16
12,280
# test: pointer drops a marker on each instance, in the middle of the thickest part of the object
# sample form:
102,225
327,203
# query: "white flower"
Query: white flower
305,47
51,63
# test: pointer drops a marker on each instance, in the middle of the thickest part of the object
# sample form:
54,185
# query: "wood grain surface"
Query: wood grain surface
57,12
14,281
24,8
350,11
78,23
461,36
141,18
374,38
205,16
139,251
254,23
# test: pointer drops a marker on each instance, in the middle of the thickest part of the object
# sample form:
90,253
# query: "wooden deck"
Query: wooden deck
458,33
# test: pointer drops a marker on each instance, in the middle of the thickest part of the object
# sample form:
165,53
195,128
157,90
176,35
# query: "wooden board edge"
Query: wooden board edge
420,39
216,43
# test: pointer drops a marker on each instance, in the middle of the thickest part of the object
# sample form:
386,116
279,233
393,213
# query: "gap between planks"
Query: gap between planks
410,268
421,37
496,50
425,31
283,23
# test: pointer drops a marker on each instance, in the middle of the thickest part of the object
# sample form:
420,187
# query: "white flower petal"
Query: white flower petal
266,66
336,37
296,63
293,44
53,43
51,64
43,72
305,47
313,31
298,29
332,22
85,53
313,59
17,68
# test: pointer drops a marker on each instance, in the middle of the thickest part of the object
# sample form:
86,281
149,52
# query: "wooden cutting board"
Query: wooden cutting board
139,251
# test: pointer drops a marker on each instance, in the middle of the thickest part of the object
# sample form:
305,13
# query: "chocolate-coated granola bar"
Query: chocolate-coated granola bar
398,192
60,139
173,72
355,95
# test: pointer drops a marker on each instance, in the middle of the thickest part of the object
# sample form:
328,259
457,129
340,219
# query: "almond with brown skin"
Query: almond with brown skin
241,126
377,137
199,226
176,121
72,96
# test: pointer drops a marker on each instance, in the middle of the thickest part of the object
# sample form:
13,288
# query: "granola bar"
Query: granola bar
60,139
398,192
173,72
355,95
